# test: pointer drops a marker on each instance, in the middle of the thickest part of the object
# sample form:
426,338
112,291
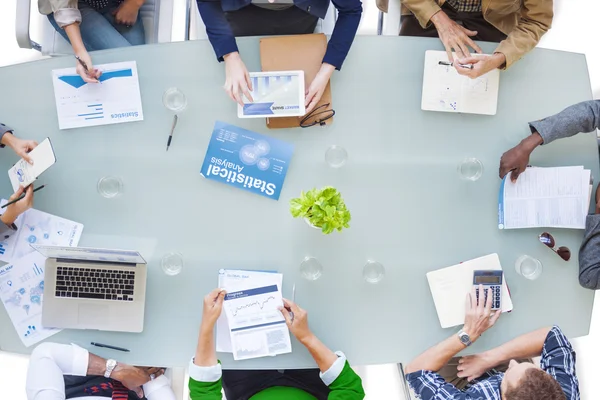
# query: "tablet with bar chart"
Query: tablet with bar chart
116,98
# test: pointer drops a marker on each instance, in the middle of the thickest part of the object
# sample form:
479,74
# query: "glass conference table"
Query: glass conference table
410,211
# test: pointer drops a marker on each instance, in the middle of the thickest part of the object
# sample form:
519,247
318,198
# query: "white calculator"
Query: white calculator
489,279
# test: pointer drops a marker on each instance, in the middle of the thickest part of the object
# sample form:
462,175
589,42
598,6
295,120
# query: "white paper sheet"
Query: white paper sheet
450,286
24,174
545,197
232,280
446,90
21,292
257,327
38,227
115,99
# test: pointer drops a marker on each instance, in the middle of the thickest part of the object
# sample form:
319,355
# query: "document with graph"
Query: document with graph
115,99
444,89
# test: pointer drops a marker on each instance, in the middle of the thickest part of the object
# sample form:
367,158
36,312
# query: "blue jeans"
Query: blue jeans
100,31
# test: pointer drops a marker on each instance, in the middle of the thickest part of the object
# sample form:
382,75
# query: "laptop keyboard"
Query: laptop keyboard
94,283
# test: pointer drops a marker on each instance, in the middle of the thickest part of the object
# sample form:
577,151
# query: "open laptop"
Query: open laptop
88,288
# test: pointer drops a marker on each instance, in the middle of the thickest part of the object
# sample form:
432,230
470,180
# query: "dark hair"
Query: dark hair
536,385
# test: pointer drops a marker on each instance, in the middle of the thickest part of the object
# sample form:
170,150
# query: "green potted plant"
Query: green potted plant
322,208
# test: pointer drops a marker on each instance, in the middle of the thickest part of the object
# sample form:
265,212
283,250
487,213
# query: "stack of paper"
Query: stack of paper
450,286
251,325
545,197
22,280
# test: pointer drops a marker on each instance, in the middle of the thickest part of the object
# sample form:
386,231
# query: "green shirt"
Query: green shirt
347,386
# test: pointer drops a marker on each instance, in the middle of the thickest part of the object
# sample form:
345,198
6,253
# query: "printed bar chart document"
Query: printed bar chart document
545,197
444,89
230,279
449,287
24,174
115,99
275,94
21,292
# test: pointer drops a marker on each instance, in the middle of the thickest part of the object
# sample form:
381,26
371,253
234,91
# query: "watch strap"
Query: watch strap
464,338
110,366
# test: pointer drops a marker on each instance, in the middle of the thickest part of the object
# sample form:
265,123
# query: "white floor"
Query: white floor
574,29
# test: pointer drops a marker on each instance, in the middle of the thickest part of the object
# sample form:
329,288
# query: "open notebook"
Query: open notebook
446,90
449,287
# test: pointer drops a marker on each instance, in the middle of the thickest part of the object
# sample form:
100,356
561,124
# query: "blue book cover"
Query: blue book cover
247,160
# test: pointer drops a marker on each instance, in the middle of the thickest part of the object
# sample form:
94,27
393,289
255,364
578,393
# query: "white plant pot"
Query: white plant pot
311,225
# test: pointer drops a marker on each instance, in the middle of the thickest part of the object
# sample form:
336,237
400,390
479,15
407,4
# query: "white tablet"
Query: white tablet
275,94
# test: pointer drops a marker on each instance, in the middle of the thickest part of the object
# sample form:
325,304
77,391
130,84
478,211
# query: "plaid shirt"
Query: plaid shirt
465,5
558,360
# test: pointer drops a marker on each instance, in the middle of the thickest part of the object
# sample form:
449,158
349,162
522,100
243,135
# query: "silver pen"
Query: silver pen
467,66
293,301
175,118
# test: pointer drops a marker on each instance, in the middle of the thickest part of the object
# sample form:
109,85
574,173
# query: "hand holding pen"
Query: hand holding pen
85,70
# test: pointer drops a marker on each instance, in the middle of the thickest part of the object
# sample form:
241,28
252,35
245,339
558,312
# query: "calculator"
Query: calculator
489,279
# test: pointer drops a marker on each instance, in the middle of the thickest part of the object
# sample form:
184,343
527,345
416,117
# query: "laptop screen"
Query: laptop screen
90,254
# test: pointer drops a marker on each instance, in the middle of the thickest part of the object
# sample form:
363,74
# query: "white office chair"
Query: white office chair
157,17
197,29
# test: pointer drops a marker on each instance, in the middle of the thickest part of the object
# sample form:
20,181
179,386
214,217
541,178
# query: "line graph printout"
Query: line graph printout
116,98
257,327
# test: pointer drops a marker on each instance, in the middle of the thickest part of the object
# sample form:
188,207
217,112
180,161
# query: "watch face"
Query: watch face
464,338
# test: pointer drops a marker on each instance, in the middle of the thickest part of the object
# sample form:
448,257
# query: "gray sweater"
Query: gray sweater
581,117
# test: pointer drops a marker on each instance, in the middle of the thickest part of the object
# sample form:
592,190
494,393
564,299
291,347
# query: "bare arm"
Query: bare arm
206,355
322,355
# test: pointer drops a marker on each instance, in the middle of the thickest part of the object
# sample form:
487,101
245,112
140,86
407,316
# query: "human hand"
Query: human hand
299,326
237,79
90,75
213,304
517,158
131,377
20,147
472,367
317,86
478,316
127,13
481,64
14,210
453,36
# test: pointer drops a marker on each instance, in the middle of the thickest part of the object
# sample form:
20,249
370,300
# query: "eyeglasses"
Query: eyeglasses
563,252
317,116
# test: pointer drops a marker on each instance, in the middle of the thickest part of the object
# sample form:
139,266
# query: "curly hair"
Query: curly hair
536,385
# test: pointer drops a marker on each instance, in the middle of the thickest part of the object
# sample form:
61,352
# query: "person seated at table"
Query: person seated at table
494,374
336,379
91,25
227,19
516,25
581,117
58,371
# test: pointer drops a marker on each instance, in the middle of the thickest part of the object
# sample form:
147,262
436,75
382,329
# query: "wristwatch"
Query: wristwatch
110,366
464,338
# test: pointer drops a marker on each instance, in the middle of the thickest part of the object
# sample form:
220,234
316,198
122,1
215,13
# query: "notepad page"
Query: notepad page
547,197
450,286
444,89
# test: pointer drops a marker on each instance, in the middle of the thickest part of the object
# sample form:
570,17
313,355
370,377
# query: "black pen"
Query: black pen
84,65
107,346
22,196
175,118
468,66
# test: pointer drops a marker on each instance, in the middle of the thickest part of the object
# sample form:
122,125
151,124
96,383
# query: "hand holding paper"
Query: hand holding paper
20,147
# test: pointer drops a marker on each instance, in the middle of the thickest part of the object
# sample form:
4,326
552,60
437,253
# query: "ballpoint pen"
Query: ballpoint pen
21,197
468,66
175,118
84,65
107,346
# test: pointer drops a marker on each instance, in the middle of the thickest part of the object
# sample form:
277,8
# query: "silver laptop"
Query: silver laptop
87,288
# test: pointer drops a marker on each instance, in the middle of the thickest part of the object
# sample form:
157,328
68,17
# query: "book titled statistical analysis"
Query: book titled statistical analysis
247,160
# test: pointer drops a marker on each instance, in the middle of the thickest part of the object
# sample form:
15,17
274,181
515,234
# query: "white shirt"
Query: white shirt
50,361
